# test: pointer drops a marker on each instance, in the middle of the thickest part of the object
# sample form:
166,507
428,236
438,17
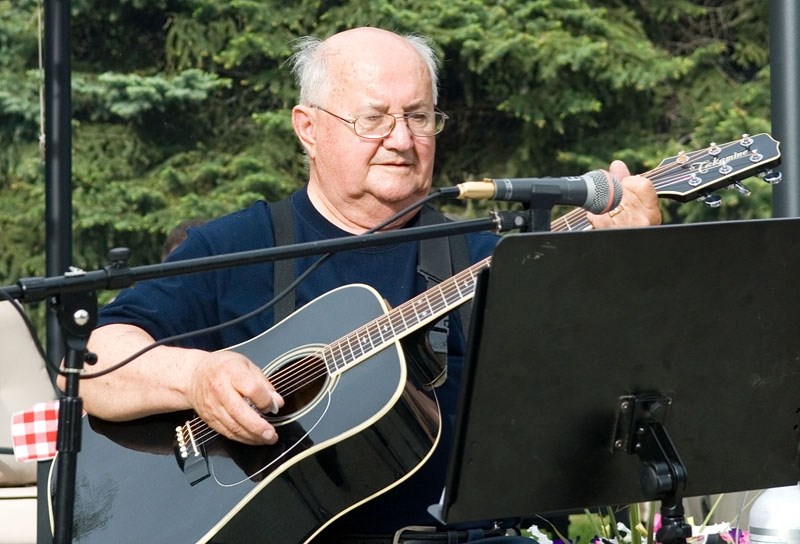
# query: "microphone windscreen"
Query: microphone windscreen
607,196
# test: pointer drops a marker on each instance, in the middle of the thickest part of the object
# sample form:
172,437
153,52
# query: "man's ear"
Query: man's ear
304,123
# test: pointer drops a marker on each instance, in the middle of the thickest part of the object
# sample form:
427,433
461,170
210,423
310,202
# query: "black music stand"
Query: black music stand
582,339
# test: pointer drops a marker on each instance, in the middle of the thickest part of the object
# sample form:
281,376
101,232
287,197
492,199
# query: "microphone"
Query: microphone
591,191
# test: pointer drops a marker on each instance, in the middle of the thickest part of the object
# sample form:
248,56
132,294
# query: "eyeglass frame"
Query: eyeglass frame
395,117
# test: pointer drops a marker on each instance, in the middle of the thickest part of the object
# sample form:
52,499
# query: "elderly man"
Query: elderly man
367,120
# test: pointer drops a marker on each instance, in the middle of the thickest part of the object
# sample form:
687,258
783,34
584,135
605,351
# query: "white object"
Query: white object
775,516
23,382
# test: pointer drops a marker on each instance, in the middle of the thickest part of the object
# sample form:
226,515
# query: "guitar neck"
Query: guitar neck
694,175
399,322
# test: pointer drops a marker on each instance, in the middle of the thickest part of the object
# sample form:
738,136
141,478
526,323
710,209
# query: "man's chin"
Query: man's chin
400,200
399,189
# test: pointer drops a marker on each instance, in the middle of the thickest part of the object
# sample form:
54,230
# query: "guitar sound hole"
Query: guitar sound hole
300,382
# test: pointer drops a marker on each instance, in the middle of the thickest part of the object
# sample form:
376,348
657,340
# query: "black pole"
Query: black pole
58,191
58,155
784,45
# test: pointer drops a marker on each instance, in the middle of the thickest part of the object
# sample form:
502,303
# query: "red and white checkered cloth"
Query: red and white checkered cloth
34,432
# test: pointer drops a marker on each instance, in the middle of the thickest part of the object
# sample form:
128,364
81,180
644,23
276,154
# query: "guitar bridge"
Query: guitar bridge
189,455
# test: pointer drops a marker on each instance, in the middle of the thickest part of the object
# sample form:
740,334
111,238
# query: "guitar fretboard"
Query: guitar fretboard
403,320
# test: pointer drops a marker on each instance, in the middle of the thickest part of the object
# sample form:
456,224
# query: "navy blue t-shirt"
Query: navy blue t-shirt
180,304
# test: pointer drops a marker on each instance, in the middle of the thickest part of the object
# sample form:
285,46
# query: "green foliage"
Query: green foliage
19,107
181,108
131,96
18,24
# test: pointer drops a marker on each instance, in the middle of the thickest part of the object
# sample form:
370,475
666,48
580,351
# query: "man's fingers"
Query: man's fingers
231,394
619,169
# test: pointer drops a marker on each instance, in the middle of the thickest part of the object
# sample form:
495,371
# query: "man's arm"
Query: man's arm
216,385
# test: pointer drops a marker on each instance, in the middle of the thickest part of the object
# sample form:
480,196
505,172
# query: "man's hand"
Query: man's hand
639,204
220,389
225,388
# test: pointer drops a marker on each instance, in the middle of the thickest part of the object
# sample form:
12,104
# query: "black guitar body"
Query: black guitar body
363,431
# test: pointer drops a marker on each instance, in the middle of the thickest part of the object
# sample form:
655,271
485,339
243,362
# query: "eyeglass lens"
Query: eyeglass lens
419,124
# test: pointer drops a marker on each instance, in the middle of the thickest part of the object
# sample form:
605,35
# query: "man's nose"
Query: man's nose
400,137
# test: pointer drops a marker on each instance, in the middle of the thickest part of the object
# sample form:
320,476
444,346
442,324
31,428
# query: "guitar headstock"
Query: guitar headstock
689,176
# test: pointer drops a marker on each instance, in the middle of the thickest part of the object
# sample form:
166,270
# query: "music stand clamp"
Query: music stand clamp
540,209
640,429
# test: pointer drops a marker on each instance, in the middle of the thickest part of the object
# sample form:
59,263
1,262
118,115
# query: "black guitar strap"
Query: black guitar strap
283,227
439,258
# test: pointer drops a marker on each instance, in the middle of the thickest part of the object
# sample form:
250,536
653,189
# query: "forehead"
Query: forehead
385,75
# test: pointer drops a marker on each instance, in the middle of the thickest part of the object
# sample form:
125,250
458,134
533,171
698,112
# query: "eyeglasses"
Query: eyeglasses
380,125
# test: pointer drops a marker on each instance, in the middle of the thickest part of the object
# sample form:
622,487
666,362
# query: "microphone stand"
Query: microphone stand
77,315
540,210
75,296
539,219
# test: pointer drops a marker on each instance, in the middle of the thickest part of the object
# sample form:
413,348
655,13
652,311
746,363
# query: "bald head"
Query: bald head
315,61
367,74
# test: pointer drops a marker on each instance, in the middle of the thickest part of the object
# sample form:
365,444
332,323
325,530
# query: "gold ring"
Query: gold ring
619,209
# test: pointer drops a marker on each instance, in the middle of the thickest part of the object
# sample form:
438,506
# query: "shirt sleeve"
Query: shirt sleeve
184,303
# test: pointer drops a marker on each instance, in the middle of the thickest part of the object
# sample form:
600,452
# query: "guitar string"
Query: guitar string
302,372
287,382
399,320
365,338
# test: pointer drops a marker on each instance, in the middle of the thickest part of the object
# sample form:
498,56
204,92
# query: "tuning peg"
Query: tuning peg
771,177
746,140
741,188
712,201
714,149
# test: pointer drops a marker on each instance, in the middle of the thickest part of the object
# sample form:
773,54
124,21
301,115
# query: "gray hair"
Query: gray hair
309,65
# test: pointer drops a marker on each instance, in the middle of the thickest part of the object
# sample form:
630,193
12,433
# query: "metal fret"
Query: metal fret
354,354
329,359
341,353
465,284
365,337
385,327
401,312
444,304
422,308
